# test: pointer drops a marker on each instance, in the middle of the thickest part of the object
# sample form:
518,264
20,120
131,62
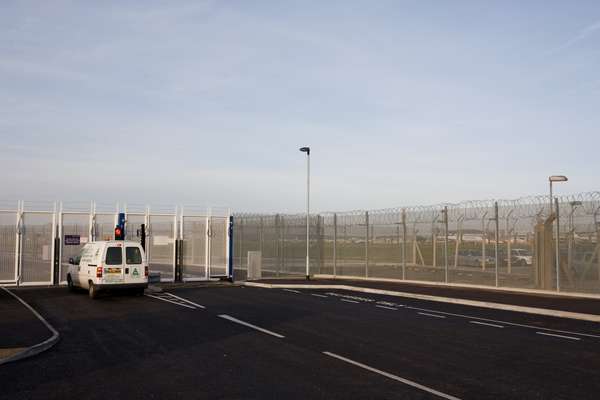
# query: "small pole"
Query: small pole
403,244
334,244
446,242
496,238
557,240
308,213
366,244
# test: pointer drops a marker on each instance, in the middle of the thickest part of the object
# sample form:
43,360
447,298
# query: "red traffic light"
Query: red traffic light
118,233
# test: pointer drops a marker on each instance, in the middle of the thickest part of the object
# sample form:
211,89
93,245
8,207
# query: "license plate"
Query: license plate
112,270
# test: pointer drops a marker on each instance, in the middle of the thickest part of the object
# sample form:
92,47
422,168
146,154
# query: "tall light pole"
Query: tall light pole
551,179
307,151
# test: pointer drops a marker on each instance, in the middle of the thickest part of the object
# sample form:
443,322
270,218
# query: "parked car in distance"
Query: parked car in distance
114,264
471,258
520,257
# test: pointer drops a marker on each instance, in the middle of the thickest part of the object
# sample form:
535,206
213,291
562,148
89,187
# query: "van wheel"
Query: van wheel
70,284
93,291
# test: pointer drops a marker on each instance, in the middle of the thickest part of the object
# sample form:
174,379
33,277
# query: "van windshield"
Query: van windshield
114,256
133,255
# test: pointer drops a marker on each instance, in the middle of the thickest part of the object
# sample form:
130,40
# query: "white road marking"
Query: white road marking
505,322
187,301
237,321
431,315
349,301
387,308
486,324
558,336
170,301
394,377
450,300
292,290
318,295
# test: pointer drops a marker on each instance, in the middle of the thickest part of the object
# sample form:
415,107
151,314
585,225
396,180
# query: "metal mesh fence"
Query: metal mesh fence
281,239
504,243
8,242
160,248
37,239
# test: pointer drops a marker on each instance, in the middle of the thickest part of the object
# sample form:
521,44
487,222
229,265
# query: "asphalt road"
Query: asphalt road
300,344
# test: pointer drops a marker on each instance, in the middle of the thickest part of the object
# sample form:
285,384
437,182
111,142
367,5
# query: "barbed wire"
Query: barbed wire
528,207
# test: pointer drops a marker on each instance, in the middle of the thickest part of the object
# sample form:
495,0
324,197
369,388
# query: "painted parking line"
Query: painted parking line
249,325
349,301
386,307
186,300
431,315
505,322
558,336
392,376
319,295
486,324
179,303
292,290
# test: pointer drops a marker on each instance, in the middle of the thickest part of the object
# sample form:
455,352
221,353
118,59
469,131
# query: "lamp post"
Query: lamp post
552,179
307,151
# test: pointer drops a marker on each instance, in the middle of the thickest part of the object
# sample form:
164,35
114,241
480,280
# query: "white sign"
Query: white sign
161,240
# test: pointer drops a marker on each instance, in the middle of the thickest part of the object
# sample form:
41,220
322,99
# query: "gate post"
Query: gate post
56,243
230,249
18,246
367,244
334,244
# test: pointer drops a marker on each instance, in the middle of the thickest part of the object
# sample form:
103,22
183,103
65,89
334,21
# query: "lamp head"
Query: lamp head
558,178
305,150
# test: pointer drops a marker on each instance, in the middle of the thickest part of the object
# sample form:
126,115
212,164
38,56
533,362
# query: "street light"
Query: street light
307,151
556,178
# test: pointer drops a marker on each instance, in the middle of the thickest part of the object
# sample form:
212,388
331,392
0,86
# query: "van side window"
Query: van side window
114,256
133,255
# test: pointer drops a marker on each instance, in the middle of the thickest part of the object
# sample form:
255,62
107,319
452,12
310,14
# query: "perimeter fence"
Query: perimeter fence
37,239
503,243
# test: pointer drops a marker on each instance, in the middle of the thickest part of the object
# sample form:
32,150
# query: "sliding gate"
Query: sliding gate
38,239
205,247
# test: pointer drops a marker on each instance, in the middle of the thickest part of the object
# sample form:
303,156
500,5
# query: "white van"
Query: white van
109,264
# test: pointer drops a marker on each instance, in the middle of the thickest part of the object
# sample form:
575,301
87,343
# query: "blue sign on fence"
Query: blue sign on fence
72,240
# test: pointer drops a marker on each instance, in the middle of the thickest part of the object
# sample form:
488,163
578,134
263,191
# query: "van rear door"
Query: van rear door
113,265
134,264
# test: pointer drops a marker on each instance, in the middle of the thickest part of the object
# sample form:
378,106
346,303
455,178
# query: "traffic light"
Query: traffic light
120,228
119,233
143,236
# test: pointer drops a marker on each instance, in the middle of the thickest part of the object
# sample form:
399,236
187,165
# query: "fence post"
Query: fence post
557,244
446,243
483,238
277,233
434,242
334,244
403,243
496,238
57,235
508,242
260,235
18,242
367,244
92,222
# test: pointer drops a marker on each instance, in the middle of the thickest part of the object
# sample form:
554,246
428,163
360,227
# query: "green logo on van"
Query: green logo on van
135,272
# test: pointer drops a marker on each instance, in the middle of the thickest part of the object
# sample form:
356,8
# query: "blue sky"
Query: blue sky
403,102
